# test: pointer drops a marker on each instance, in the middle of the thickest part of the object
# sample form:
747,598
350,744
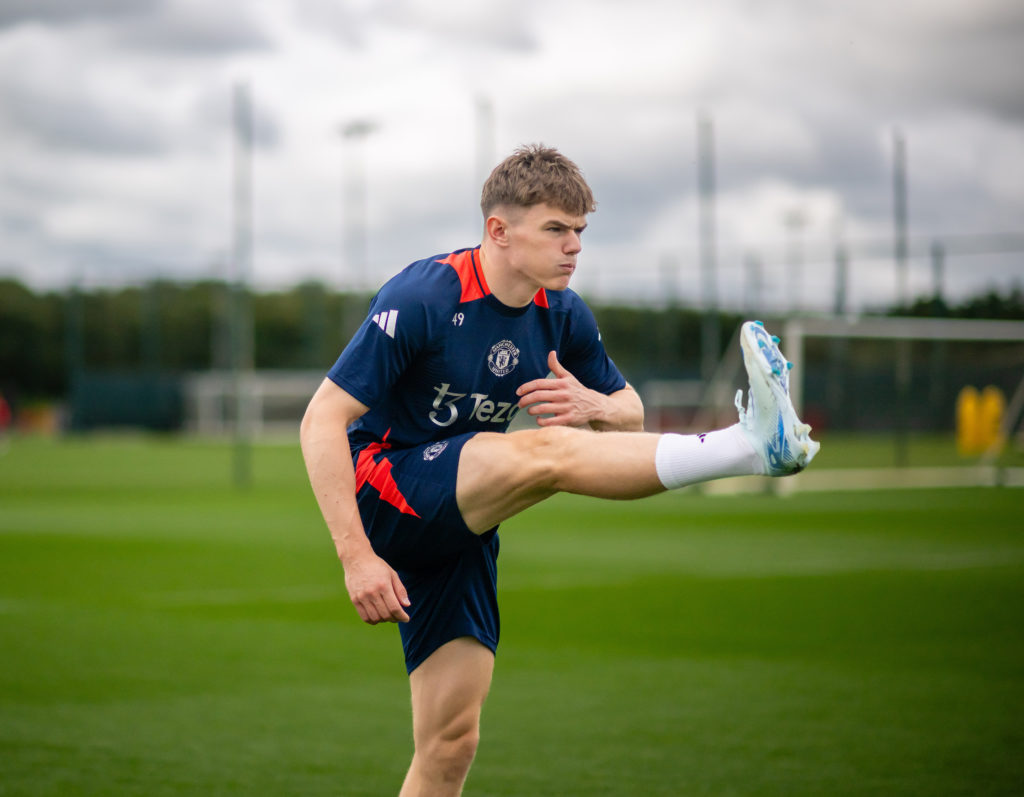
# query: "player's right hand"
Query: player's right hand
376,590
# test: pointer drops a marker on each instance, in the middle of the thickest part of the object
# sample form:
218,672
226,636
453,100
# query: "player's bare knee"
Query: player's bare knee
544,457
461,750
451,753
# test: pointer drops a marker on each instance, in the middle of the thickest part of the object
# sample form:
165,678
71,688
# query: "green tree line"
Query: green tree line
171,328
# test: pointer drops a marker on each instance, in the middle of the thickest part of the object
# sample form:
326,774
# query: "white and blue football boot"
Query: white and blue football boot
769,421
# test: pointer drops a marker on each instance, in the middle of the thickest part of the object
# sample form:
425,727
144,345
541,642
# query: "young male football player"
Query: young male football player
407,453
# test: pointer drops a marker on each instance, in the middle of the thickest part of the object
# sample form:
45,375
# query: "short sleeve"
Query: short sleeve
394,332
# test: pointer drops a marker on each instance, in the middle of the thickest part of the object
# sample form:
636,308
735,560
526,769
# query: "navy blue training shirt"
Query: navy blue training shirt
439,355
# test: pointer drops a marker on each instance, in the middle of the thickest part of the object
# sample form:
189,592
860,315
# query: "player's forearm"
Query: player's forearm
622,411
325,449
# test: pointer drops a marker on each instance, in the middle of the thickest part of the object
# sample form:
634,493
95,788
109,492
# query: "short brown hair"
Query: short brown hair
536,174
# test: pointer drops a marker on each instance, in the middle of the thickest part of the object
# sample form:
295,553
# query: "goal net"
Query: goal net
896,377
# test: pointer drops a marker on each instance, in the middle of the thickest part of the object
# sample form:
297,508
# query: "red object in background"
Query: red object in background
5,413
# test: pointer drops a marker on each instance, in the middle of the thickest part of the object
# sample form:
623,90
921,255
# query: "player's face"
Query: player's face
544,243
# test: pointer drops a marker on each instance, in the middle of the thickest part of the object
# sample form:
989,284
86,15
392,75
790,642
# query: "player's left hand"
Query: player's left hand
563,400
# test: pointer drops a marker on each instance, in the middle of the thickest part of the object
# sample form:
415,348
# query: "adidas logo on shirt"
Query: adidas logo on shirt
387,321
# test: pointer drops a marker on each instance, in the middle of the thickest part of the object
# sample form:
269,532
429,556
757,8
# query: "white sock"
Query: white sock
691,458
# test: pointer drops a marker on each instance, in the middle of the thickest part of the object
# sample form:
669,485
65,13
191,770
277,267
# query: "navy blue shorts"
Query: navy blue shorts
407,503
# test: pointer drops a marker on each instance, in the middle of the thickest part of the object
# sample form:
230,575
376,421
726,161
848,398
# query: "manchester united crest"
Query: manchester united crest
433,451
503,359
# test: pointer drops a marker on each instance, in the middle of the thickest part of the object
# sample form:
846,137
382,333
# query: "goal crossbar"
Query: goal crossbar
796,330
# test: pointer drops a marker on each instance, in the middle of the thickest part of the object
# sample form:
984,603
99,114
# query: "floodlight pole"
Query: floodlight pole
835,385
939,374
486,140
241,338
669,269
710,332
74,331
842,276
752,283
149,297
903,358
899,217
795,221
938,252
354,223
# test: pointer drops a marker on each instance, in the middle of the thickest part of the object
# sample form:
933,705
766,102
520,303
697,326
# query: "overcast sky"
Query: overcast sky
117,149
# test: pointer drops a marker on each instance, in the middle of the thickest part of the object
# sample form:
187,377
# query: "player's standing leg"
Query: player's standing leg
448,692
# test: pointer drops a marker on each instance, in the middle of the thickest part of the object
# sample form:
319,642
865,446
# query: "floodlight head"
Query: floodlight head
358,128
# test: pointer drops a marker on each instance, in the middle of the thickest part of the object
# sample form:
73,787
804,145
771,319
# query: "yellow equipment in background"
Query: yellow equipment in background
979,418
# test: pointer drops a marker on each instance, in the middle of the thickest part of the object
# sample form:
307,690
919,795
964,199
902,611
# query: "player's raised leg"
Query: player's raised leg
501,475
448,692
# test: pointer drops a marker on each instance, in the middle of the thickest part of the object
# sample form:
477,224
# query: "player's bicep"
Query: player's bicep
331,407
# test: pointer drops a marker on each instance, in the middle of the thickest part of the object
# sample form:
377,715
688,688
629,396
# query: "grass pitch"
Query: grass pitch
162,633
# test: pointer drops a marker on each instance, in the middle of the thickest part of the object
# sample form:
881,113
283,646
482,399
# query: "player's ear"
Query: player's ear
497,228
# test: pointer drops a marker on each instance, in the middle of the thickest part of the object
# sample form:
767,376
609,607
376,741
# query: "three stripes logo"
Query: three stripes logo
387,321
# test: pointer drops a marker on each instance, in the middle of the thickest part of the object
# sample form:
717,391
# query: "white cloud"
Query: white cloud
116,123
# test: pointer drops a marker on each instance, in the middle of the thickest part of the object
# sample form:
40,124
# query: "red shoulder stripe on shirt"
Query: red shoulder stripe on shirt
471,276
